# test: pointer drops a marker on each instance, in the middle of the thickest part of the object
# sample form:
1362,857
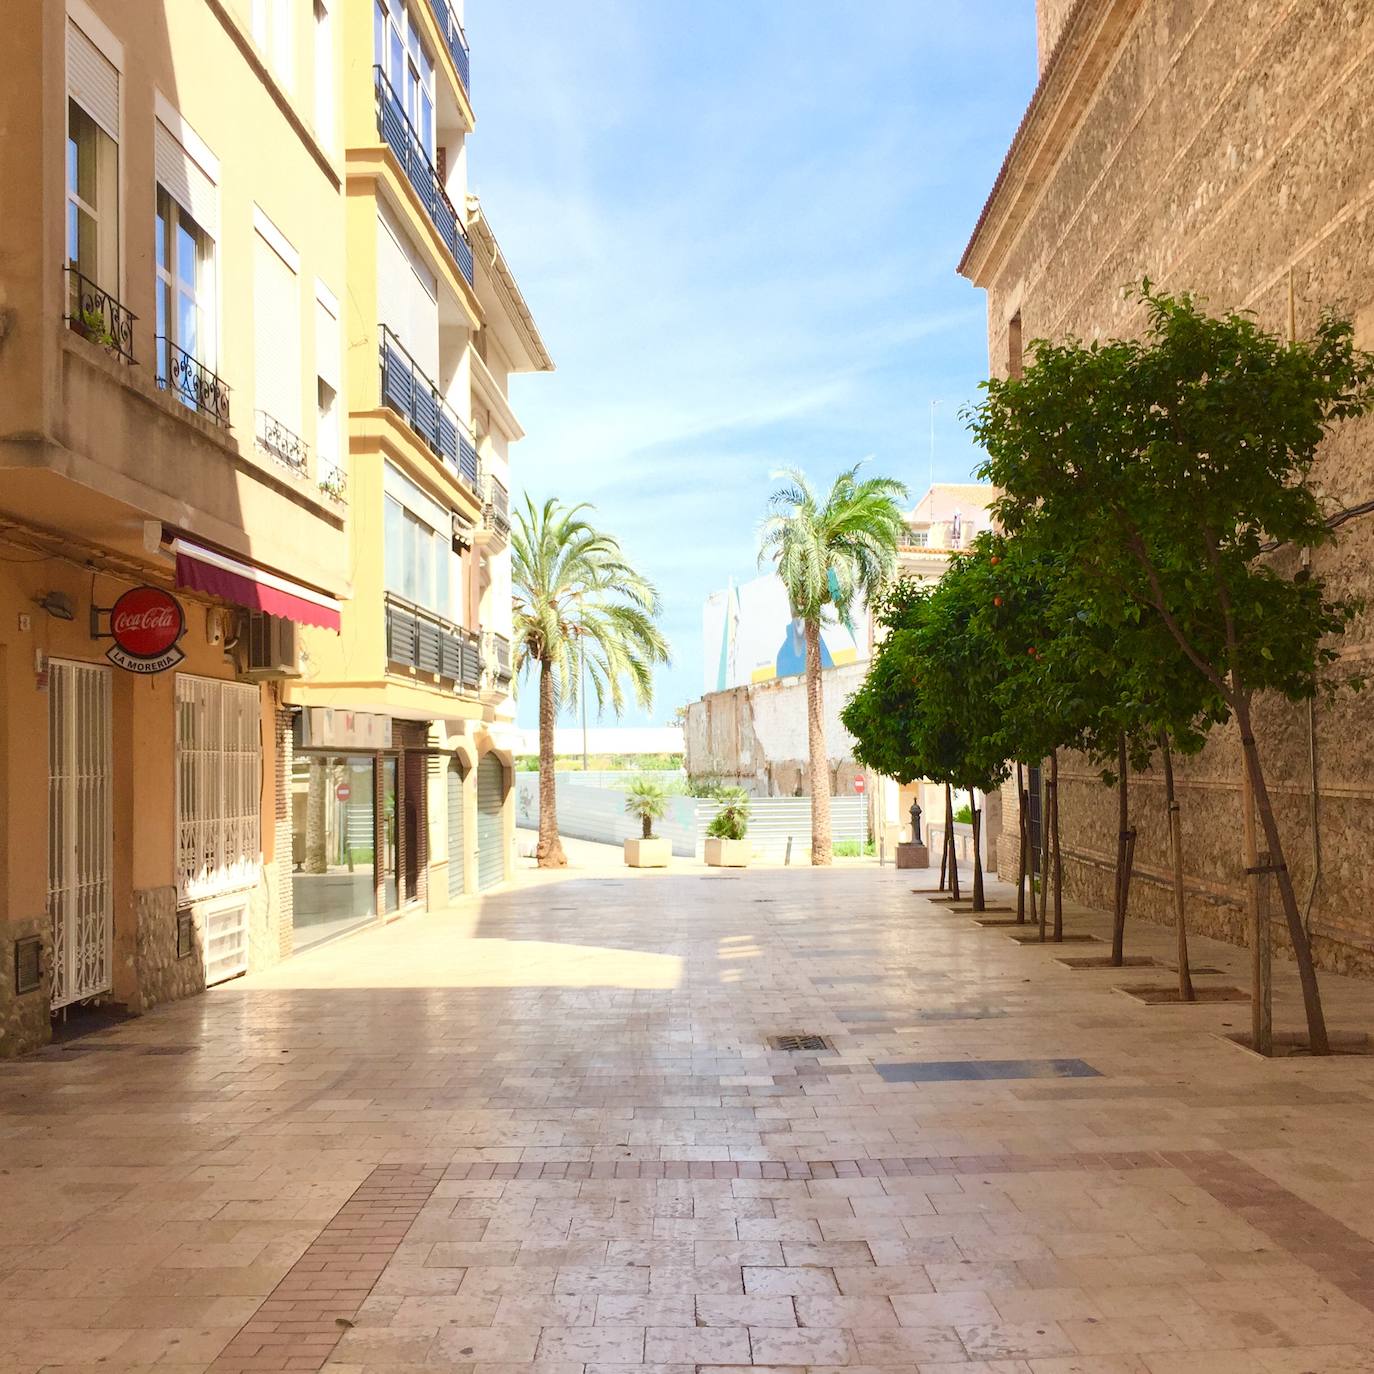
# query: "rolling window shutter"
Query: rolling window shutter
326,345
92,81
276,336
185,180
407,298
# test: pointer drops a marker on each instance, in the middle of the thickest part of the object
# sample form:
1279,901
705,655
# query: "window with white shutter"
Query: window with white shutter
407,296
92,165
277,346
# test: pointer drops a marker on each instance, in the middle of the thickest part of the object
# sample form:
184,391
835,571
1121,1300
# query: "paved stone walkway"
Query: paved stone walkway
545,1133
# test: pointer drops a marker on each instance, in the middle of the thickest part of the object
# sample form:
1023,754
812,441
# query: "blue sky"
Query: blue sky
737,223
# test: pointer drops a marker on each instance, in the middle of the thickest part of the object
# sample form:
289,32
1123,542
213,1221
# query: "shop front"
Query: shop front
357,811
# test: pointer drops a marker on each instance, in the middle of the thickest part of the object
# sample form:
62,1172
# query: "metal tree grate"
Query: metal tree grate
800,1040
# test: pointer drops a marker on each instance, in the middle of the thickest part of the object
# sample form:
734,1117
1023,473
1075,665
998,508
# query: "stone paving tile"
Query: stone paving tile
544,1133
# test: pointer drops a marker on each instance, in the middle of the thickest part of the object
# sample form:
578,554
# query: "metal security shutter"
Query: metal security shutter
80,830
185,180
276,336
92,81
457,851
491,842
407,297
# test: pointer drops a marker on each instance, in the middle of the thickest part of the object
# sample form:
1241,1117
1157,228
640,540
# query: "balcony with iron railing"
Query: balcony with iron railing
496,664
399,135
96,315
281,443
412,395
191,382
495,509
456,41
420,640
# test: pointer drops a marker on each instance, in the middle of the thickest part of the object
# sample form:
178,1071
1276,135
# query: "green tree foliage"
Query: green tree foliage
731,822
647,800
1158,470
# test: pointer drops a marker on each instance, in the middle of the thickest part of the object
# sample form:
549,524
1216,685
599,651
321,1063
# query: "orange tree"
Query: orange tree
1158,469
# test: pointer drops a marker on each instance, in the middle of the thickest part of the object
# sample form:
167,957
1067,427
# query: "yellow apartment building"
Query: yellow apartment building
401,763
254,575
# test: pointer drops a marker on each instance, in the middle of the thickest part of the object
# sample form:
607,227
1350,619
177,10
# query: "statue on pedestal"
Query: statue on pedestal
916,821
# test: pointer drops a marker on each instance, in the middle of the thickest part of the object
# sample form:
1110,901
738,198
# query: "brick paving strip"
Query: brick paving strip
299,1325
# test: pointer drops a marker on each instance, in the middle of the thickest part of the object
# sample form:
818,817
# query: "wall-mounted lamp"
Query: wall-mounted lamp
57,604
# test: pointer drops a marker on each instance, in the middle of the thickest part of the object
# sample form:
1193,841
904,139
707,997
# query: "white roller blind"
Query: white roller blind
407,297
92,81
326,344
185,180
276,335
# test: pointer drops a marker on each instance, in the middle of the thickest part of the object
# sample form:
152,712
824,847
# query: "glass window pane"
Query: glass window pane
83,131
397,58
164,213
186,254
379,34
188,324
72,243
393,537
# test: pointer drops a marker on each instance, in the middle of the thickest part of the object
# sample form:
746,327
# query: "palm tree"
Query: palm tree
580,612
828,553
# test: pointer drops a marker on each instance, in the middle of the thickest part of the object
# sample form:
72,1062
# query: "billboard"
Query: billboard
750,635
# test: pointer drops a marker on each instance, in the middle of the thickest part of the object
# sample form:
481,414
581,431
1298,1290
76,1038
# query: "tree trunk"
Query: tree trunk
647,823
1185,976
944,850
316,831
978,903
1125,853
953,852
1044,856
1297,932
1054,839
815,739
1023,830
549,851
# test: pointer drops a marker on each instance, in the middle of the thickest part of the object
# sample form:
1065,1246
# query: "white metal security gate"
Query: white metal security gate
457,844
491,828
80,830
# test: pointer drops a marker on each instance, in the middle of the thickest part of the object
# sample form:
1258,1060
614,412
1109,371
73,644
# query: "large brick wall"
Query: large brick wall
1227,149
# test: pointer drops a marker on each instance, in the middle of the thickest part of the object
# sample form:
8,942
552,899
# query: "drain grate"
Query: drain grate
799,1040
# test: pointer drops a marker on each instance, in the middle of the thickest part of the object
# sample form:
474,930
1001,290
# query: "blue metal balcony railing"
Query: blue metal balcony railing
400,136
411,394
456,41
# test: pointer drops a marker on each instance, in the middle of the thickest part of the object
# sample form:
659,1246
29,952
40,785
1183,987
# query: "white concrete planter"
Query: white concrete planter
648,853
727,853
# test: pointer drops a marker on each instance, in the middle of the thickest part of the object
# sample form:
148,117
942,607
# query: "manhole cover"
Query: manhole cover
800,1041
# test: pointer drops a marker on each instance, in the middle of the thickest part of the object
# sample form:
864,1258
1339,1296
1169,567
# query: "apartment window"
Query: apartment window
272,20
324,74
417,538
219,781
406,63
92,156
917,539
330,469
185,296
277,344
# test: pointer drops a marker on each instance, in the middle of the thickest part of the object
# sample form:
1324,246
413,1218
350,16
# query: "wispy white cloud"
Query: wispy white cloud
737,224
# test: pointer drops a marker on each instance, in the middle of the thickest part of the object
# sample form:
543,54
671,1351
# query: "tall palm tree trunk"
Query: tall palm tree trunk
549,851
815,738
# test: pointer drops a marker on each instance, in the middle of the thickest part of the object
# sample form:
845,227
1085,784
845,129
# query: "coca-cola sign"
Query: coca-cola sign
146,623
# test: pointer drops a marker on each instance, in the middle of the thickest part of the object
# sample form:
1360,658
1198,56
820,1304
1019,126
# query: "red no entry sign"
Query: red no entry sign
343,791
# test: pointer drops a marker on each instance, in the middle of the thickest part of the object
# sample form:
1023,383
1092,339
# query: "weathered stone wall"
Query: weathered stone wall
1229,150
756,736
24,1017
160,975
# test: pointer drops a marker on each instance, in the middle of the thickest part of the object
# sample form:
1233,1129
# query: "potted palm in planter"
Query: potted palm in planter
647,799
726,846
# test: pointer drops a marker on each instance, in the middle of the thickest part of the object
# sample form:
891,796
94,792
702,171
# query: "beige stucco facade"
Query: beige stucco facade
1227,151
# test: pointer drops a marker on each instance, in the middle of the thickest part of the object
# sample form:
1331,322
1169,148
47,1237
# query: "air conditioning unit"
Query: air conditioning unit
270,648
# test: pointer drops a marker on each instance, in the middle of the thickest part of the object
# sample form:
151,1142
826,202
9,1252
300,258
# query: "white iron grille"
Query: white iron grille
226,943
80,830
219,781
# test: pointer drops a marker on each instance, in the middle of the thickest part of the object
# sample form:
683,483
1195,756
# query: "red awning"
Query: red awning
204,570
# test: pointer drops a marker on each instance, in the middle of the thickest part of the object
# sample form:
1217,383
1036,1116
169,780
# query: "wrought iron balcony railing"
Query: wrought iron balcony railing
496,662
419,639
283,444
333,482
456,41
496,508
96,315
411,394
399,134
192,382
